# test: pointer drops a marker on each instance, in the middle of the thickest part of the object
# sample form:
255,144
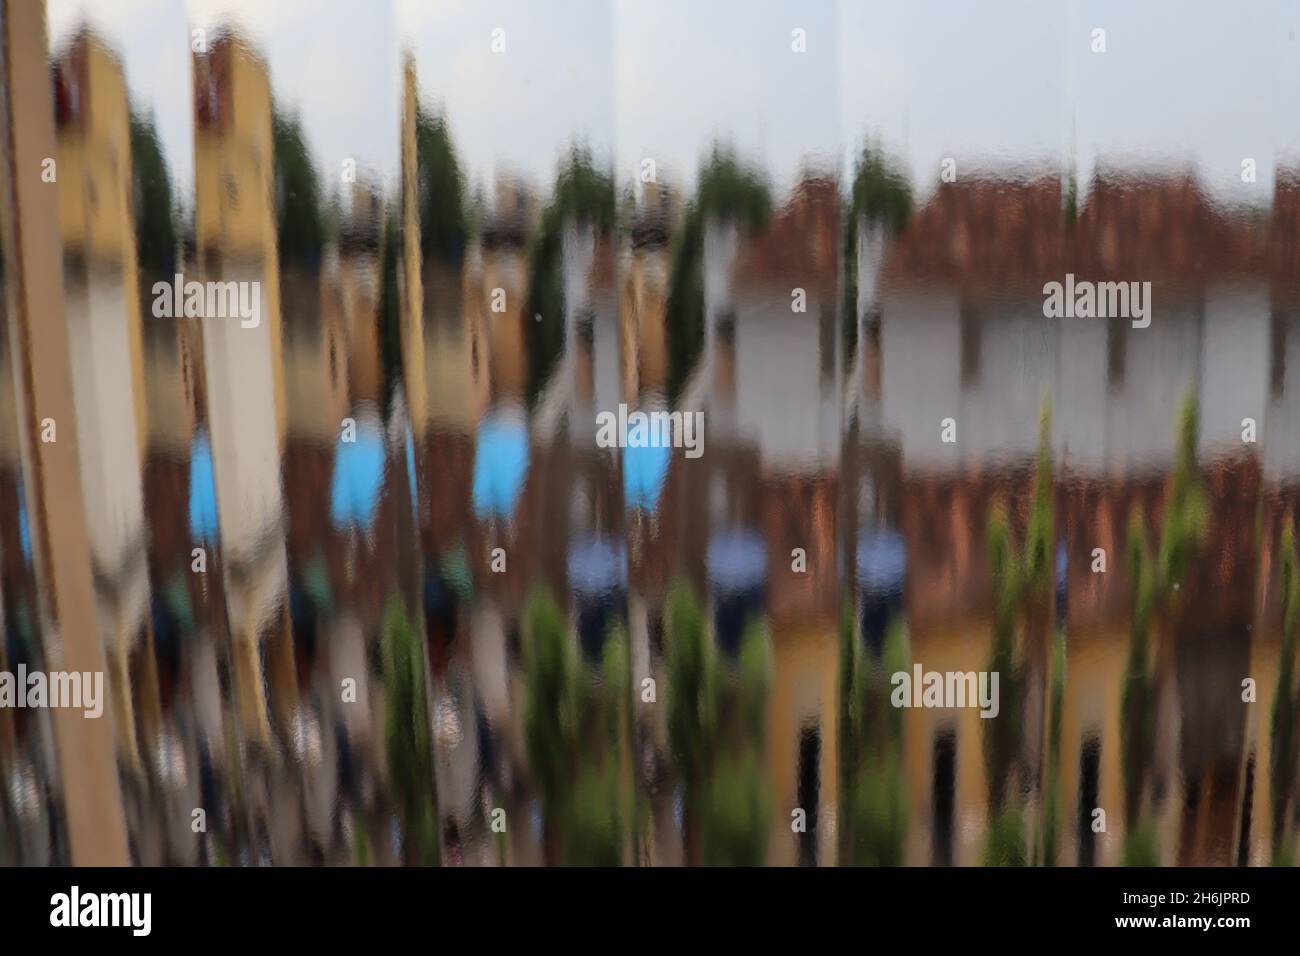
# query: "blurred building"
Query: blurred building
102,298
644,271
961,298
235,232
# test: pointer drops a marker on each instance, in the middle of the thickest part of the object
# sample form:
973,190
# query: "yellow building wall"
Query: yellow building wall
805,684
234,165
1094,685
643,310
96,191
949,646
507,357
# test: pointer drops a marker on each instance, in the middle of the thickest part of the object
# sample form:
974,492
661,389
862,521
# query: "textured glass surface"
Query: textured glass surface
649,433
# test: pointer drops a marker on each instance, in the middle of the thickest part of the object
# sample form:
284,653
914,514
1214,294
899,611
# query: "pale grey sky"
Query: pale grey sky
516,111
335,62
995,84
151,38
1182,82
690,73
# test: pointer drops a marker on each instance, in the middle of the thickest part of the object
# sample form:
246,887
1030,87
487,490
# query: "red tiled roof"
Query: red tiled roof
983,228
800,246
992,233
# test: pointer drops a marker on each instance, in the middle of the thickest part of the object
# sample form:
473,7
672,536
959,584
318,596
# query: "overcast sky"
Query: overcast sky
996,85
693,73
335,62
1182,82
516,111
151,39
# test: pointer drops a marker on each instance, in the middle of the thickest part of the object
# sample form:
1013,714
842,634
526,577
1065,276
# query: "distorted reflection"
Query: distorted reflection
479,437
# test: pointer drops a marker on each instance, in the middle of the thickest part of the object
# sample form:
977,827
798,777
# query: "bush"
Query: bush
737,814
880,814
1004,844
1140,847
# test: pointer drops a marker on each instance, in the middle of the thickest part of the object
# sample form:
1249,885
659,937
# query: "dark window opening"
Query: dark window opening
970,346
1089,783
1115,353
657,635
809,790
826,345
943,792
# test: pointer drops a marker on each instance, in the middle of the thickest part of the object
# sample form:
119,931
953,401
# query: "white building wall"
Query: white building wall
781,401
245,439
1281,431
1234,365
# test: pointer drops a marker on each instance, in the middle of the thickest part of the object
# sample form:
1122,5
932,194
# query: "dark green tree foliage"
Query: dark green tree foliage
602,794
685,307
593,830
737,812
1140,846
690,692
1049,839
881,193
616,679
728,191
1187,513
602,810
1002,735
1004,844
299,227
155,227
443,227
390,306
551,701
407,736
717,731
1040,537
544,337
577,724
877,794
1155,584
1022,594
880,812
738,805
584,194
755,683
